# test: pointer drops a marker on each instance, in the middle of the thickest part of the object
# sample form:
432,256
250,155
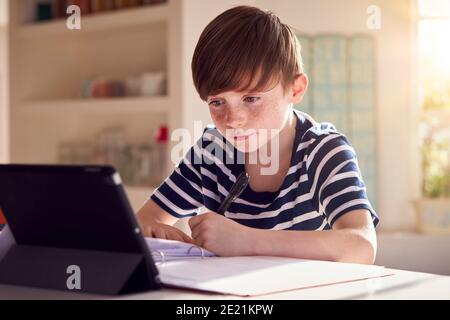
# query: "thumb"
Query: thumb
194,221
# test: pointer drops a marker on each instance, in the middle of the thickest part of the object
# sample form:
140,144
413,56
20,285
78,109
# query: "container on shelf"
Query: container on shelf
153,84
45,10
146,84
139,164
132,86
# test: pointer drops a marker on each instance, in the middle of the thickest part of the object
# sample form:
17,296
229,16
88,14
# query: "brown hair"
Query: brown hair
241,43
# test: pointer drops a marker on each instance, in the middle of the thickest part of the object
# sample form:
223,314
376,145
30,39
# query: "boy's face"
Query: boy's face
249,120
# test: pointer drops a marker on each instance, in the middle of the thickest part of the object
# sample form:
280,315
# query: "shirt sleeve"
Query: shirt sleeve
335,180
180,194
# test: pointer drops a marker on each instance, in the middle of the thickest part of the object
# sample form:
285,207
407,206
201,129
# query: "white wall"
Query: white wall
3,12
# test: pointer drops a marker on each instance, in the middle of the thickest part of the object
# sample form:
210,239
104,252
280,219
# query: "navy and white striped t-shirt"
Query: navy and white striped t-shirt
322,184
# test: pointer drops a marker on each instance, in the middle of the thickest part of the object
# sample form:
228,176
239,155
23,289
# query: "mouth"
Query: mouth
240,138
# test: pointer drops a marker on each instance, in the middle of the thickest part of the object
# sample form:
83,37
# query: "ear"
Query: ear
299,88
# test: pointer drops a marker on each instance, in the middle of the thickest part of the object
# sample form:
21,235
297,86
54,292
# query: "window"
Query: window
434,75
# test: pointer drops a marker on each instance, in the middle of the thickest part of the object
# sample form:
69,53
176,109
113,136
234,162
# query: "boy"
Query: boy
313,205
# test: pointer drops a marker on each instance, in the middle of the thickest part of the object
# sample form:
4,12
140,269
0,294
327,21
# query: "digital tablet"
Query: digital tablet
72,207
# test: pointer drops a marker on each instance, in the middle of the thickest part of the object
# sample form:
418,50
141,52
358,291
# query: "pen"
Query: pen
235,191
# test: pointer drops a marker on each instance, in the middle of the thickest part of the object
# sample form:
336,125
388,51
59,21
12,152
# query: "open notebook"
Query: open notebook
168,250
258,275
184,265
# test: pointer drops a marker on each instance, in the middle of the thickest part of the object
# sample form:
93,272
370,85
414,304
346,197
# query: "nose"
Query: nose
235,118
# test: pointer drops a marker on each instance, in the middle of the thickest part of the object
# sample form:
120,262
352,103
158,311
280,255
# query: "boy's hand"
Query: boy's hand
221,235
164,231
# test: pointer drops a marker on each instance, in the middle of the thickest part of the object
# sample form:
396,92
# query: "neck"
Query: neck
287,134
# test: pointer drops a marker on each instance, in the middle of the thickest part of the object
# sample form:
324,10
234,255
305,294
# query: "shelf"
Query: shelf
108,105
101,21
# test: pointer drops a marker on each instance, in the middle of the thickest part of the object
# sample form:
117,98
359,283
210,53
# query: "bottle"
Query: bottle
145,165
162,141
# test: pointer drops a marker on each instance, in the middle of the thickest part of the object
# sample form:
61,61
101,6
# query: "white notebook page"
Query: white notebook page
248,276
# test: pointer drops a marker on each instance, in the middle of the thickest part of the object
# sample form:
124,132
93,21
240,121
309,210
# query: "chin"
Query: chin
247,146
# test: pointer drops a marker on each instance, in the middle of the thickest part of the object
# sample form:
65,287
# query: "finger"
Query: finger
194,221
199,241
174,236
184,237
152,232
188,239
148,232
159,233
196,233
180,236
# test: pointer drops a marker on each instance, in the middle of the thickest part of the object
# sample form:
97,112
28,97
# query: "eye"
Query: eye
214,103
252,99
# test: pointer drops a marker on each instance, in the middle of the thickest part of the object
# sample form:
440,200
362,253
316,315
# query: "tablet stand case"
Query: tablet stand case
100,271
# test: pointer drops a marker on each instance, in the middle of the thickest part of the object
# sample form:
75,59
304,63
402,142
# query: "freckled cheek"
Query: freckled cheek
279,115
218,117
265,117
